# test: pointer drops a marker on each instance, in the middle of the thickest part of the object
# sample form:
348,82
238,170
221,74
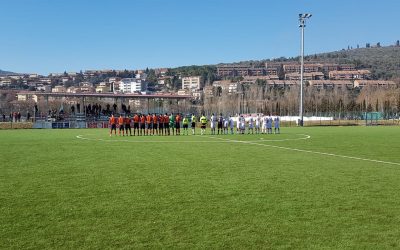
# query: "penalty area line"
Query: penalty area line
310,151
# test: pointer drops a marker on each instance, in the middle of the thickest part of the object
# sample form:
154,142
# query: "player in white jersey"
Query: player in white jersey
265,125
269,127
277,125
231,124
258,121
212,123
226,125
242,125
251,125
238,124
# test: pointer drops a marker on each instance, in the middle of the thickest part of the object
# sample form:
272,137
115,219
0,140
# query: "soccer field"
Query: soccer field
312,187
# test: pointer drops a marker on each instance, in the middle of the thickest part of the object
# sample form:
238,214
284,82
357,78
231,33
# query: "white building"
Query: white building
5,82
16,77
114,79
197,94
44,88
233,87
191,83
132,85
45,80
58,89
103,87
142,76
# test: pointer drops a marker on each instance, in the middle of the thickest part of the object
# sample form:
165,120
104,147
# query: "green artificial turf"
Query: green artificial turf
231,191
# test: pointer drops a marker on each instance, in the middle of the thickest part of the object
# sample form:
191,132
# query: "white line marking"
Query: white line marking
306,137
141,141
309,151
213,141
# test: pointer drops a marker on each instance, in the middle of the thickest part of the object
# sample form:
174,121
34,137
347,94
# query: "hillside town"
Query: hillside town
335,86
228,76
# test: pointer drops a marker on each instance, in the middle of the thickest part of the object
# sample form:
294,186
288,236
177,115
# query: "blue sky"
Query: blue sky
47,36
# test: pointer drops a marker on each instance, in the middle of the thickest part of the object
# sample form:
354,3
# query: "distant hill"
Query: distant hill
384,62
4,73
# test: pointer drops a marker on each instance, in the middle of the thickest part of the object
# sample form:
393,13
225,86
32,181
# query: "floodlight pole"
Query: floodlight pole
302,20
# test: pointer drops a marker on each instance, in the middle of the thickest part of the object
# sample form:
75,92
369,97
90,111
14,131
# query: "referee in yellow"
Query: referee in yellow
203,121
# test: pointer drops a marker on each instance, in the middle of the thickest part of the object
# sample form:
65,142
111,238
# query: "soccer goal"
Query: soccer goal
371,118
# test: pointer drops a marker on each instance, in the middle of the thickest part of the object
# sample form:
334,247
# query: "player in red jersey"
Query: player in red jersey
178,124
136,124
113,124
128,125
160,124
142,124
166,124
121,125
155,121
149,124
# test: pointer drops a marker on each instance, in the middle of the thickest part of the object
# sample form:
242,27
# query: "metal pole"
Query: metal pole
302,20
301,72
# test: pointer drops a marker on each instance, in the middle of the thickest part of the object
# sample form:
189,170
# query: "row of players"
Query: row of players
153,124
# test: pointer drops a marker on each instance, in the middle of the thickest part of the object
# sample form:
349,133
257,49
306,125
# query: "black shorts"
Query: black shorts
161,125
177,125
113,127
219,125
154,125
127,126
185,126
193,124
142,125
135,125
166,125
121,127
149,125
203,126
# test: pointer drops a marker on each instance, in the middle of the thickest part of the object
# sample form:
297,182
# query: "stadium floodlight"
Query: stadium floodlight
302,20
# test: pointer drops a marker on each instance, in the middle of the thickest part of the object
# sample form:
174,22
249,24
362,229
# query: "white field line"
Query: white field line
308,151
306,137
186,141
150,141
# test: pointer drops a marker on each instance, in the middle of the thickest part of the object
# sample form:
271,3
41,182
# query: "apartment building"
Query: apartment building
114,79
320,84
230,87
282,83
347,67
296,68
5,82
103,87
348,75
58,89
374,83
306,76
191,83
330,67
132,85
